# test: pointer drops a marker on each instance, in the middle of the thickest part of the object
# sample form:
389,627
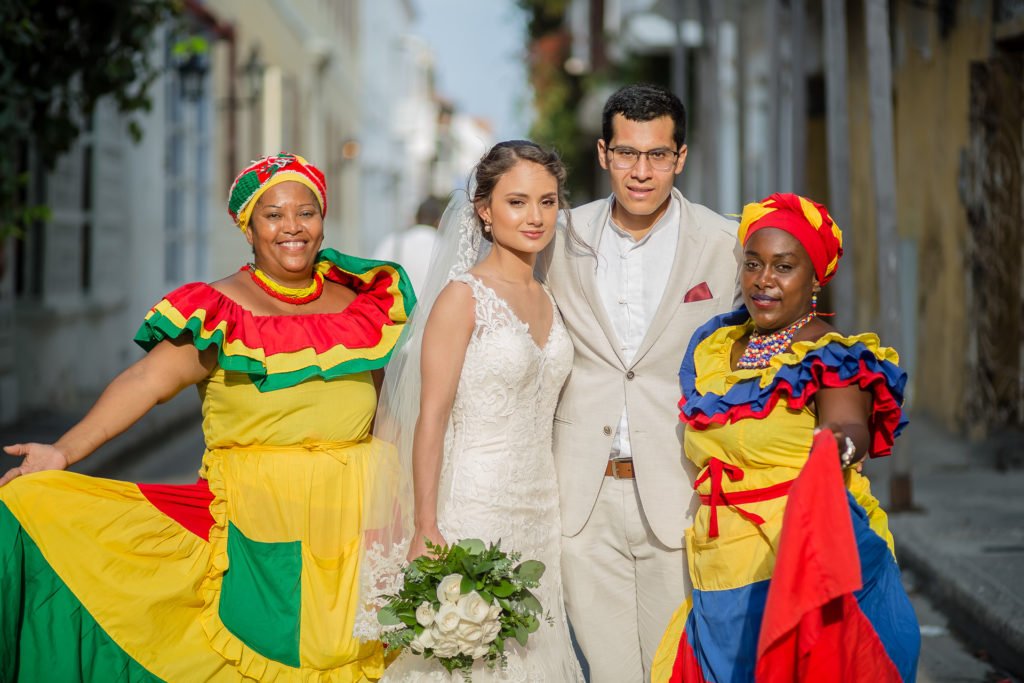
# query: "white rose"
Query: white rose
447,619
447,647
423,641
490,629
494,612
480,651
425,614
450,588
469,632
473,608
466,646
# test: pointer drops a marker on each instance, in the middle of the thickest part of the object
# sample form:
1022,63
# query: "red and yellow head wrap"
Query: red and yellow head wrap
806,220
266,172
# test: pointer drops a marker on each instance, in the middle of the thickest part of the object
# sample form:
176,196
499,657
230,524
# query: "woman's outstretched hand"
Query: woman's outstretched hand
419,542
38,457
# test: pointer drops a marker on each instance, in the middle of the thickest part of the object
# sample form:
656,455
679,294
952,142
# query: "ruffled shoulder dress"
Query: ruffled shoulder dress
252,573
750,433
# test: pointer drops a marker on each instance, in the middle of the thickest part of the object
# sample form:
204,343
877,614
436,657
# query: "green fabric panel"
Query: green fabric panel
359,265
45,633
261,595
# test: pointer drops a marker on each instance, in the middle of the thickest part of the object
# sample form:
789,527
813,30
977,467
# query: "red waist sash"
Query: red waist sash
733,499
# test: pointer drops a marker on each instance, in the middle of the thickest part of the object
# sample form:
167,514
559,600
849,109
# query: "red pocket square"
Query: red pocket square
699,292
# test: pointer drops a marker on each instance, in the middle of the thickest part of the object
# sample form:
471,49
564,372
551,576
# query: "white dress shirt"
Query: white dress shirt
631,277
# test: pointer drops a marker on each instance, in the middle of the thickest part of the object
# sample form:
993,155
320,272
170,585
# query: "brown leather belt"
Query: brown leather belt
620,469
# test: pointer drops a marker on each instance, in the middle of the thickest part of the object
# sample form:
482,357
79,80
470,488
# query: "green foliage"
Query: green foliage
496,576
557,94
57,59
545,16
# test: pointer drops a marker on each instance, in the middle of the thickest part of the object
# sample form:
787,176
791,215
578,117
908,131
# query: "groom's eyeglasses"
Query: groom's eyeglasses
625,158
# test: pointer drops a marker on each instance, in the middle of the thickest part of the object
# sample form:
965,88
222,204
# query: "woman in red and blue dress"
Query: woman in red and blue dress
792,563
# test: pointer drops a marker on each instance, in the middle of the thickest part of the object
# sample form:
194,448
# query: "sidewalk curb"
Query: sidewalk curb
981,611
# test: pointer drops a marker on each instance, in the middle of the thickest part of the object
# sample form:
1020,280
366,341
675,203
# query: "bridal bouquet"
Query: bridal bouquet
462,603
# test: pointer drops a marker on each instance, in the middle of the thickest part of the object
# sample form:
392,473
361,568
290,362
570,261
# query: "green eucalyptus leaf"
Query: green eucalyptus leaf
504,589
531,570
387,617
531,602
472,545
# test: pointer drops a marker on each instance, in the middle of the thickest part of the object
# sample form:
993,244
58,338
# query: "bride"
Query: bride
488,365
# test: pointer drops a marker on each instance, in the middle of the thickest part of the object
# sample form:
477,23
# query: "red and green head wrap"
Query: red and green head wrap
266,172
806,220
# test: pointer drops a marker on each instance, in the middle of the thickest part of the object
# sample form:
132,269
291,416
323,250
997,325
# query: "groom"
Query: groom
652,268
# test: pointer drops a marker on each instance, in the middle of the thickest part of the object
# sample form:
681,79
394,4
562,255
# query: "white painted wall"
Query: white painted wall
71,340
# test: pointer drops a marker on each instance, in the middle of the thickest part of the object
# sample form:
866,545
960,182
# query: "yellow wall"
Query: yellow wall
931,127
931,80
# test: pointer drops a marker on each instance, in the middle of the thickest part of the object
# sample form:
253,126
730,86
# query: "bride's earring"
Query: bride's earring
487,227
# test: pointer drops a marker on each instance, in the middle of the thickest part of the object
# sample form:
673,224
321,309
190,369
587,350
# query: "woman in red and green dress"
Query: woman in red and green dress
254,571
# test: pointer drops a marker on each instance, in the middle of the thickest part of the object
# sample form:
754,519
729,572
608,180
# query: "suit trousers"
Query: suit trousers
621,586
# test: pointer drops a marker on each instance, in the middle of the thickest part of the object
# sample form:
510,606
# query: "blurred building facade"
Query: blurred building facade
342,82
903,117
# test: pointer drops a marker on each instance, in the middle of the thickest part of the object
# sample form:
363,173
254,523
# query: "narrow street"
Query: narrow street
945,658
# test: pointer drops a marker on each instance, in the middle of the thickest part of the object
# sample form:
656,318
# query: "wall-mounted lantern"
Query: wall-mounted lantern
252,78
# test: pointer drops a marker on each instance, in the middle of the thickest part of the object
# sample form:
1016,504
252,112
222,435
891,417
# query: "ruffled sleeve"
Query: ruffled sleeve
712,393
282,351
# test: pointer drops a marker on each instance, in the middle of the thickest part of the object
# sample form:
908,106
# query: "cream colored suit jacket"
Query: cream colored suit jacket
602,383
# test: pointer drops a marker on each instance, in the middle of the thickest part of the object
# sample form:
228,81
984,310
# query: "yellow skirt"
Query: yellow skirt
272,595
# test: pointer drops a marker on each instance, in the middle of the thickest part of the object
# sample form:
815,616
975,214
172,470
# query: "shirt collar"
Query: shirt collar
670,217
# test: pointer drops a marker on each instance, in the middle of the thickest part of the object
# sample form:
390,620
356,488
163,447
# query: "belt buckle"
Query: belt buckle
615,468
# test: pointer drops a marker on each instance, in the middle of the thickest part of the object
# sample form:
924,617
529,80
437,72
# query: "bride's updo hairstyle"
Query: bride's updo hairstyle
500,159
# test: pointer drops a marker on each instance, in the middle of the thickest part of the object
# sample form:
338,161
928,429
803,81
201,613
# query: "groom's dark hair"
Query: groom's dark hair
644,102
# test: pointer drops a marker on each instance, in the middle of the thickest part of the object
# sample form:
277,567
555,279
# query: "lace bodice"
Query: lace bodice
498,480
509,385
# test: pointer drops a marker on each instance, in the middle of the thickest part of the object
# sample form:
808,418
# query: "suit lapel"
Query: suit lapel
587,275
689,248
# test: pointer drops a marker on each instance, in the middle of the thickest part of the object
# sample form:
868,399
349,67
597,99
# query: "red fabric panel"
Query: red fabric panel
686,668
186,504
813,628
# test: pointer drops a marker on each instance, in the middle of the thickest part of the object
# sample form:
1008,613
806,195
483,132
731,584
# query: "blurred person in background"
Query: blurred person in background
412,247
253,572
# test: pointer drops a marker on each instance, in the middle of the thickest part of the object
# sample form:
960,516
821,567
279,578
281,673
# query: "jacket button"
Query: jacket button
630,375
607,430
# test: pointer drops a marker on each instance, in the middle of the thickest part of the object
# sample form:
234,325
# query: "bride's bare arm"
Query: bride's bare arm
445,339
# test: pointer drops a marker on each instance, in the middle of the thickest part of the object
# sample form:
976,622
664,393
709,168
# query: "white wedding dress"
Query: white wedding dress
498,480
